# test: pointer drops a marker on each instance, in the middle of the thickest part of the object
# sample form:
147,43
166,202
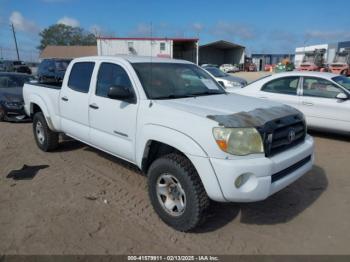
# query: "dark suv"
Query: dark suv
52,70
16,66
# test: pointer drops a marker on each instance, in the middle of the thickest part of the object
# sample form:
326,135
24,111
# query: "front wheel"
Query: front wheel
177,193
46,139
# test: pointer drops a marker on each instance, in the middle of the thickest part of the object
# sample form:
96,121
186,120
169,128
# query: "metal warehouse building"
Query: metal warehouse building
180,48
221,52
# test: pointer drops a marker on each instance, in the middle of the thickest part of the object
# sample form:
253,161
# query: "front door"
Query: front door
113,122
284,90
321,107
74,100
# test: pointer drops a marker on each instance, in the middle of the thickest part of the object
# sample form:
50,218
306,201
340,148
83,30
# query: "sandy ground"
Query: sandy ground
82,201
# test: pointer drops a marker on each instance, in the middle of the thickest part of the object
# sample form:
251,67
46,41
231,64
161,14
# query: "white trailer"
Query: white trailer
179,48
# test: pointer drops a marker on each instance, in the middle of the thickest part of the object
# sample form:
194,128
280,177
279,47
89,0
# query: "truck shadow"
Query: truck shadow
334,136
279,208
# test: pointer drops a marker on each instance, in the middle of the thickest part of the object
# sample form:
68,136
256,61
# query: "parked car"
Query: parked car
322,97
209,65
169,117
226,80
52,70
228,68
11,98
16,66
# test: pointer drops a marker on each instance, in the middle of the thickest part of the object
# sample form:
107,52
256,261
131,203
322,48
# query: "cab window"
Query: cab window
80,76
285,85
111,75
318,87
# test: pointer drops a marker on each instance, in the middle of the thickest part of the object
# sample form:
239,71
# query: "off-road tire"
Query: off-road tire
197,201
51,138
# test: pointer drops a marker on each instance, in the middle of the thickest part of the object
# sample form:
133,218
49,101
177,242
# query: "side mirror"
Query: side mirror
342,96
121,93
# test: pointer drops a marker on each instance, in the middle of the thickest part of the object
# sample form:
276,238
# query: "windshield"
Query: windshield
173,80
343,81
215,72
62,65
11,81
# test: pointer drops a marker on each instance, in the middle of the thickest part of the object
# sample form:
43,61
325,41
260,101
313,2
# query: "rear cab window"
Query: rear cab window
80,76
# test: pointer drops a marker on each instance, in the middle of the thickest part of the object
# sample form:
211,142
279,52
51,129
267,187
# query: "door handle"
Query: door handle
93,106
307,103
65,99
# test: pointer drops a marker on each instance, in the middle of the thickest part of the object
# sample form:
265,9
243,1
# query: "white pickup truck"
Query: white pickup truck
193,140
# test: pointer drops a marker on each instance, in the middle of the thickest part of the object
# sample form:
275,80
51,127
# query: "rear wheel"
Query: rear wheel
177,193
46,139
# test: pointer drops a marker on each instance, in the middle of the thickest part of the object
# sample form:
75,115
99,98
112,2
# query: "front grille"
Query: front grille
281,134
285,172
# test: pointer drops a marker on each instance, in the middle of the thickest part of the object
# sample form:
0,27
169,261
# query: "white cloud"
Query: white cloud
230,30
327,35
23,24
198,27
142,30
68,21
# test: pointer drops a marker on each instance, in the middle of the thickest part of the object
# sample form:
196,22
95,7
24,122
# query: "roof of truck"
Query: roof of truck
133,59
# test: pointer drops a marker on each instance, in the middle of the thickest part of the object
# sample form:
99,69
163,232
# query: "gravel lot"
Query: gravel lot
82,201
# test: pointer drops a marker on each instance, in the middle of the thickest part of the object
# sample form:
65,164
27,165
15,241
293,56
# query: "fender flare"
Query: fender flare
169,136
37,100
186,145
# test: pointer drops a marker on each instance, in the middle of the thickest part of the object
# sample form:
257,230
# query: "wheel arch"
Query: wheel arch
38,105
168,141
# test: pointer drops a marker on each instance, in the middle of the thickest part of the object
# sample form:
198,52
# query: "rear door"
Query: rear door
113,122
321,107
74,101
283,90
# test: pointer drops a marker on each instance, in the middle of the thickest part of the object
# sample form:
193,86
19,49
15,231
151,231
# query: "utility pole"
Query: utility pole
14,37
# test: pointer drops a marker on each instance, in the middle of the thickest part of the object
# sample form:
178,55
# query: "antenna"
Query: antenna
151,65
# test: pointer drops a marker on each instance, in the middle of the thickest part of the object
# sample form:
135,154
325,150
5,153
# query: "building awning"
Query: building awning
221,44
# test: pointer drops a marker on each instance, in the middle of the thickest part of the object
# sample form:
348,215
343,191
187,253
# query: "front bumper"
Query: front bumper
285,168
13,115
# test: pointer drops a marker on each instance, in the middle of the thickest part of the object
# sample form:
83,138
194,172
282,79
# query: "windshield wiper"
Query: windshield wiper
207,93
172,96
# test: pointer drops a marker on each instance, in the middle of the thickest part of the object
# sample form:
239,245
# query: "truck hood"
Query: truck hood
231,110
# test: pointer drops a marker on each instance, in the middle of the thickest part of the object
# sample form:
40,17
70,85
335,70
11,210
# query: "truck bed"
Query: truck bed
46,96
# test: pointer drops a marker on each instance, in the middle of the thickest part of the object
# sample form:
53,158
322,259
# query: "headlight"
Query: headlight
238,141
236,84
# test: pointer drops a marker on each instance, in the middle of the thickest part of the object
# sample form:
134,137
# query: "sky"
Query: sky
268,26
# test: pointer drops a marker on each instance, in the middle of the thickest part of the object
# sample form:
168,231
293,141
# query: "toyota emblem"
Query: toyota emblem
291,135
